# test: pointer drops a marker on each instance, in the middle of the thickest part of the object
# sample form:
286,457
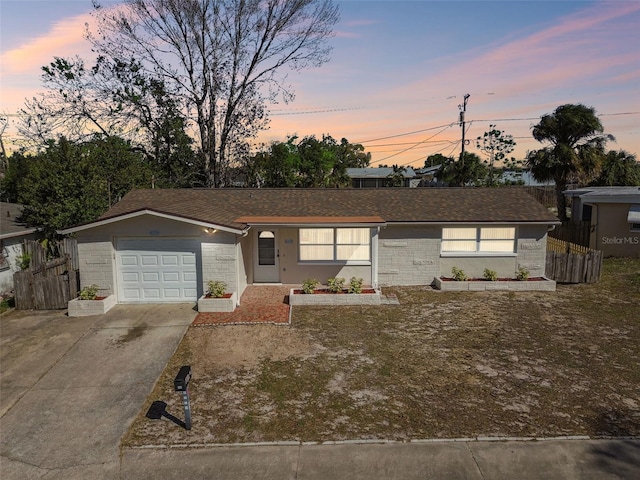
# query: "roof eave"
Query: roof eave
23,233
481,222
137,213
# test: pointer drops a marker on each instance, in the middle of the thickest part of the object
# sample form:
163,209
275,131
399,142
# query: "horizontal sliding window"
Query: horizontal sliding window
335,244
479,240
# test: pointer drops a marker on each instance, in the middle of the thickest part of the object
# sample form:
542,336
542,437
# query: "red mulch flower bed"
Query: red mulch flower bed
327,291
532,279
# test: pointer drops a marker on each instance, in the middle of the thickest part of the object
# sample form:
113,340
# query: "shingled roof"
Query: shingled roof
10,225
232,207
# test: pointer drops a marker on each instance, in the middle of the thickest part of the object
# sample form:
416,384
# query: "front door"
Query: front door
266,265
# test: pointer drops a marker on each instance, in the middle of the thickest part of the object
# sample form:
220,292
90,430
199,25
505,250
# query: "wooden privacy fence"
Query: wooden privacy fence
574,232
40,254
48,286
571,263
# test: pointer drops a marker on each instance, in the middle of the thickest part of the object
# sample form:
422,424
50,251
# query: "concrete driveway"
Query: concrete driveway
70,387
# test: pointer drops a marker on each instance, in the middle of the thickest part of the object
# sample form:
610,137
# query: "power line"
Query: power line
308,112
419,143
405,134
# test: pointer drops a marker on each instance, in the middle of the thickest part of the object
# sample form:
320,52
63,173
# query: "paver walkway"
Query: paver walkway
258,304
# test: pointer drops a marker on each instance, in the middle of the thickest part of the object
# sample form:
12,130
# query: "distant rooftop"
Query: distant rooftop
9,224
621,194
380,172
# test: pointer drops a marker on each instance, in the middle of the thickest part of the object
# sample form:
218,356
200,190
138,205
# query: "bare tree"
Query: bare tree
226,59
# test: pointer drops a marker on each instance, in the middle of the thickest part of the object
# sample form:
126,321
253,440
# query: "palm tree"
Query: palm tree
619,168
577,144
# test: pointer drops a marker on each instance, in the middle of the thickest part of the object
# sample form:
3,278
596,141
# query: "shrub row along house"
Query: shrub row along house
165,245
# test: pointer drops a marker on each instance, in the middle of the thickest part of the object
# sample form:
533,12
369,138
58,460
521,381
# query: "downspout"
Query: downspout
374,258
240,257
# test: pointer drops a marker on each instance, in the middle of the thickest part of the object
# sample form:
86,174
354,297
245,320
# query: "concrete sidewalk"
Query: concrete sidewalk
481,460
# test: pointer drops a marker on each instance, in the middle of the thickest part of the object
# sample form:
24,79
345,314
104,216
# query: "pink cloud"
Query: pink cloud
64,39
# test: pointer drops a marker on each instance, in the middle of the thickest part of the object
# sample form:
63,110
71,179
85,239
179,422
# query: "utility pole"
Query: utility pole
463,109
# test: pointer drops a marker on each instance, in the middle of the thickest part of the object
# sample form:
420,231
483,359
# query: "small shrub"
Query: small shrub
522,274
335,284
309,285
490,275
7,302
88,293
355,285
216,289
458,274
23,261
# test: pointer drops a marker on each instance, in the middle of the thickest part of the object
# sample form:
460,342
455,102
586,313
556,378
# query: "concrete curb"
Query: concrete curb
381,442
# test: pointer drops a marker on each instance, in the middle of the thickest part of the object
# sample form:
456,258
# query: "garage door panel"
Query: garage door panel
150,277
189,277
132,277
169,260
149,260
170,276
129,260
157,270
131,293
174,293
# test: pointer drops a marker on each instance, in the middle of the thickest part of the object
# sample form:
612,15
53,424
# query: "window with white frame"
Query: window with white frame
480,240
334,245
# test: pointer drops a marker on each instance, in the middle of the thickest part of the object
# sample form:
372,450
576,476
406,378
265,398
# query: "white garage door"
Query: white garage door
157,270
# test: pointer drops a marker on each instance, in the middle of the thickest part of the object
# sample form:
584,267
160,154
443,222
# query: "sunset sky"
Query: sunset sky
400,69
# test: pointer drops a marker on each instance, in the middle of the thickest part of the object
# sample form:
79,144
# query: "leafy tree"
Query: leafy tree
306,163
435,159
577,144
16,171
458,174
224,59
618,168
278,167
70,183
396,177
317,159
496,146
114,98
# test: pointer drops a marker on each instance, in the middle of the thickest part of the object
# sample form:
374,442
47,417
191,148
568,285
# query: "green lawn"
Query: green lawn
440,365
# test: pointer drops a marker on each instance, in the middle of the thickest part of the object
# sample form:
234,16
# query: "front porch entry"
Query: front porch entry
266,268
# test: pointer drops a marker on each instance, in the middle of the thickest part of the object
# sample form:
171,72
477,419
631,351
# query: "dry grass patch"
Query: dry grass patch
439,365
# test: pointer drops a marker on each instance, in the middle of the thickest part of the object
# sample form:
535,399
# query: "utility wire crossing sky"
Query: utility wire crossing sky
400,71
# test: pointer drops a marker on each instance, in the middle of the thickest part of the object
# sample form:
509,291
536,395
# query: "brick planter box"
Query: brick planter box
86,308
536,285
213,304
334,298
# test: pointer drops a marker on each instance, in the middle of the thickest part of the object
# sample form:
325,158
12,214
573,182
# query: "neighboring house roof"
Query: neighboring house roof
231,208
606,194
9,225
428,170
382,172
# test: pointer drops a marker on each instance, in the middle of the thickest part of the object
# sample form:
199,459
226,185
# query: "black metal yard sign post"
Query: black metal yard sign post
181,384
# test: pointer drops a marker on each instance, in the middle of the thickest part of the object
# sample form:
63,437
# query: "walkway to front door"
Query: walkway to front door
258,304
